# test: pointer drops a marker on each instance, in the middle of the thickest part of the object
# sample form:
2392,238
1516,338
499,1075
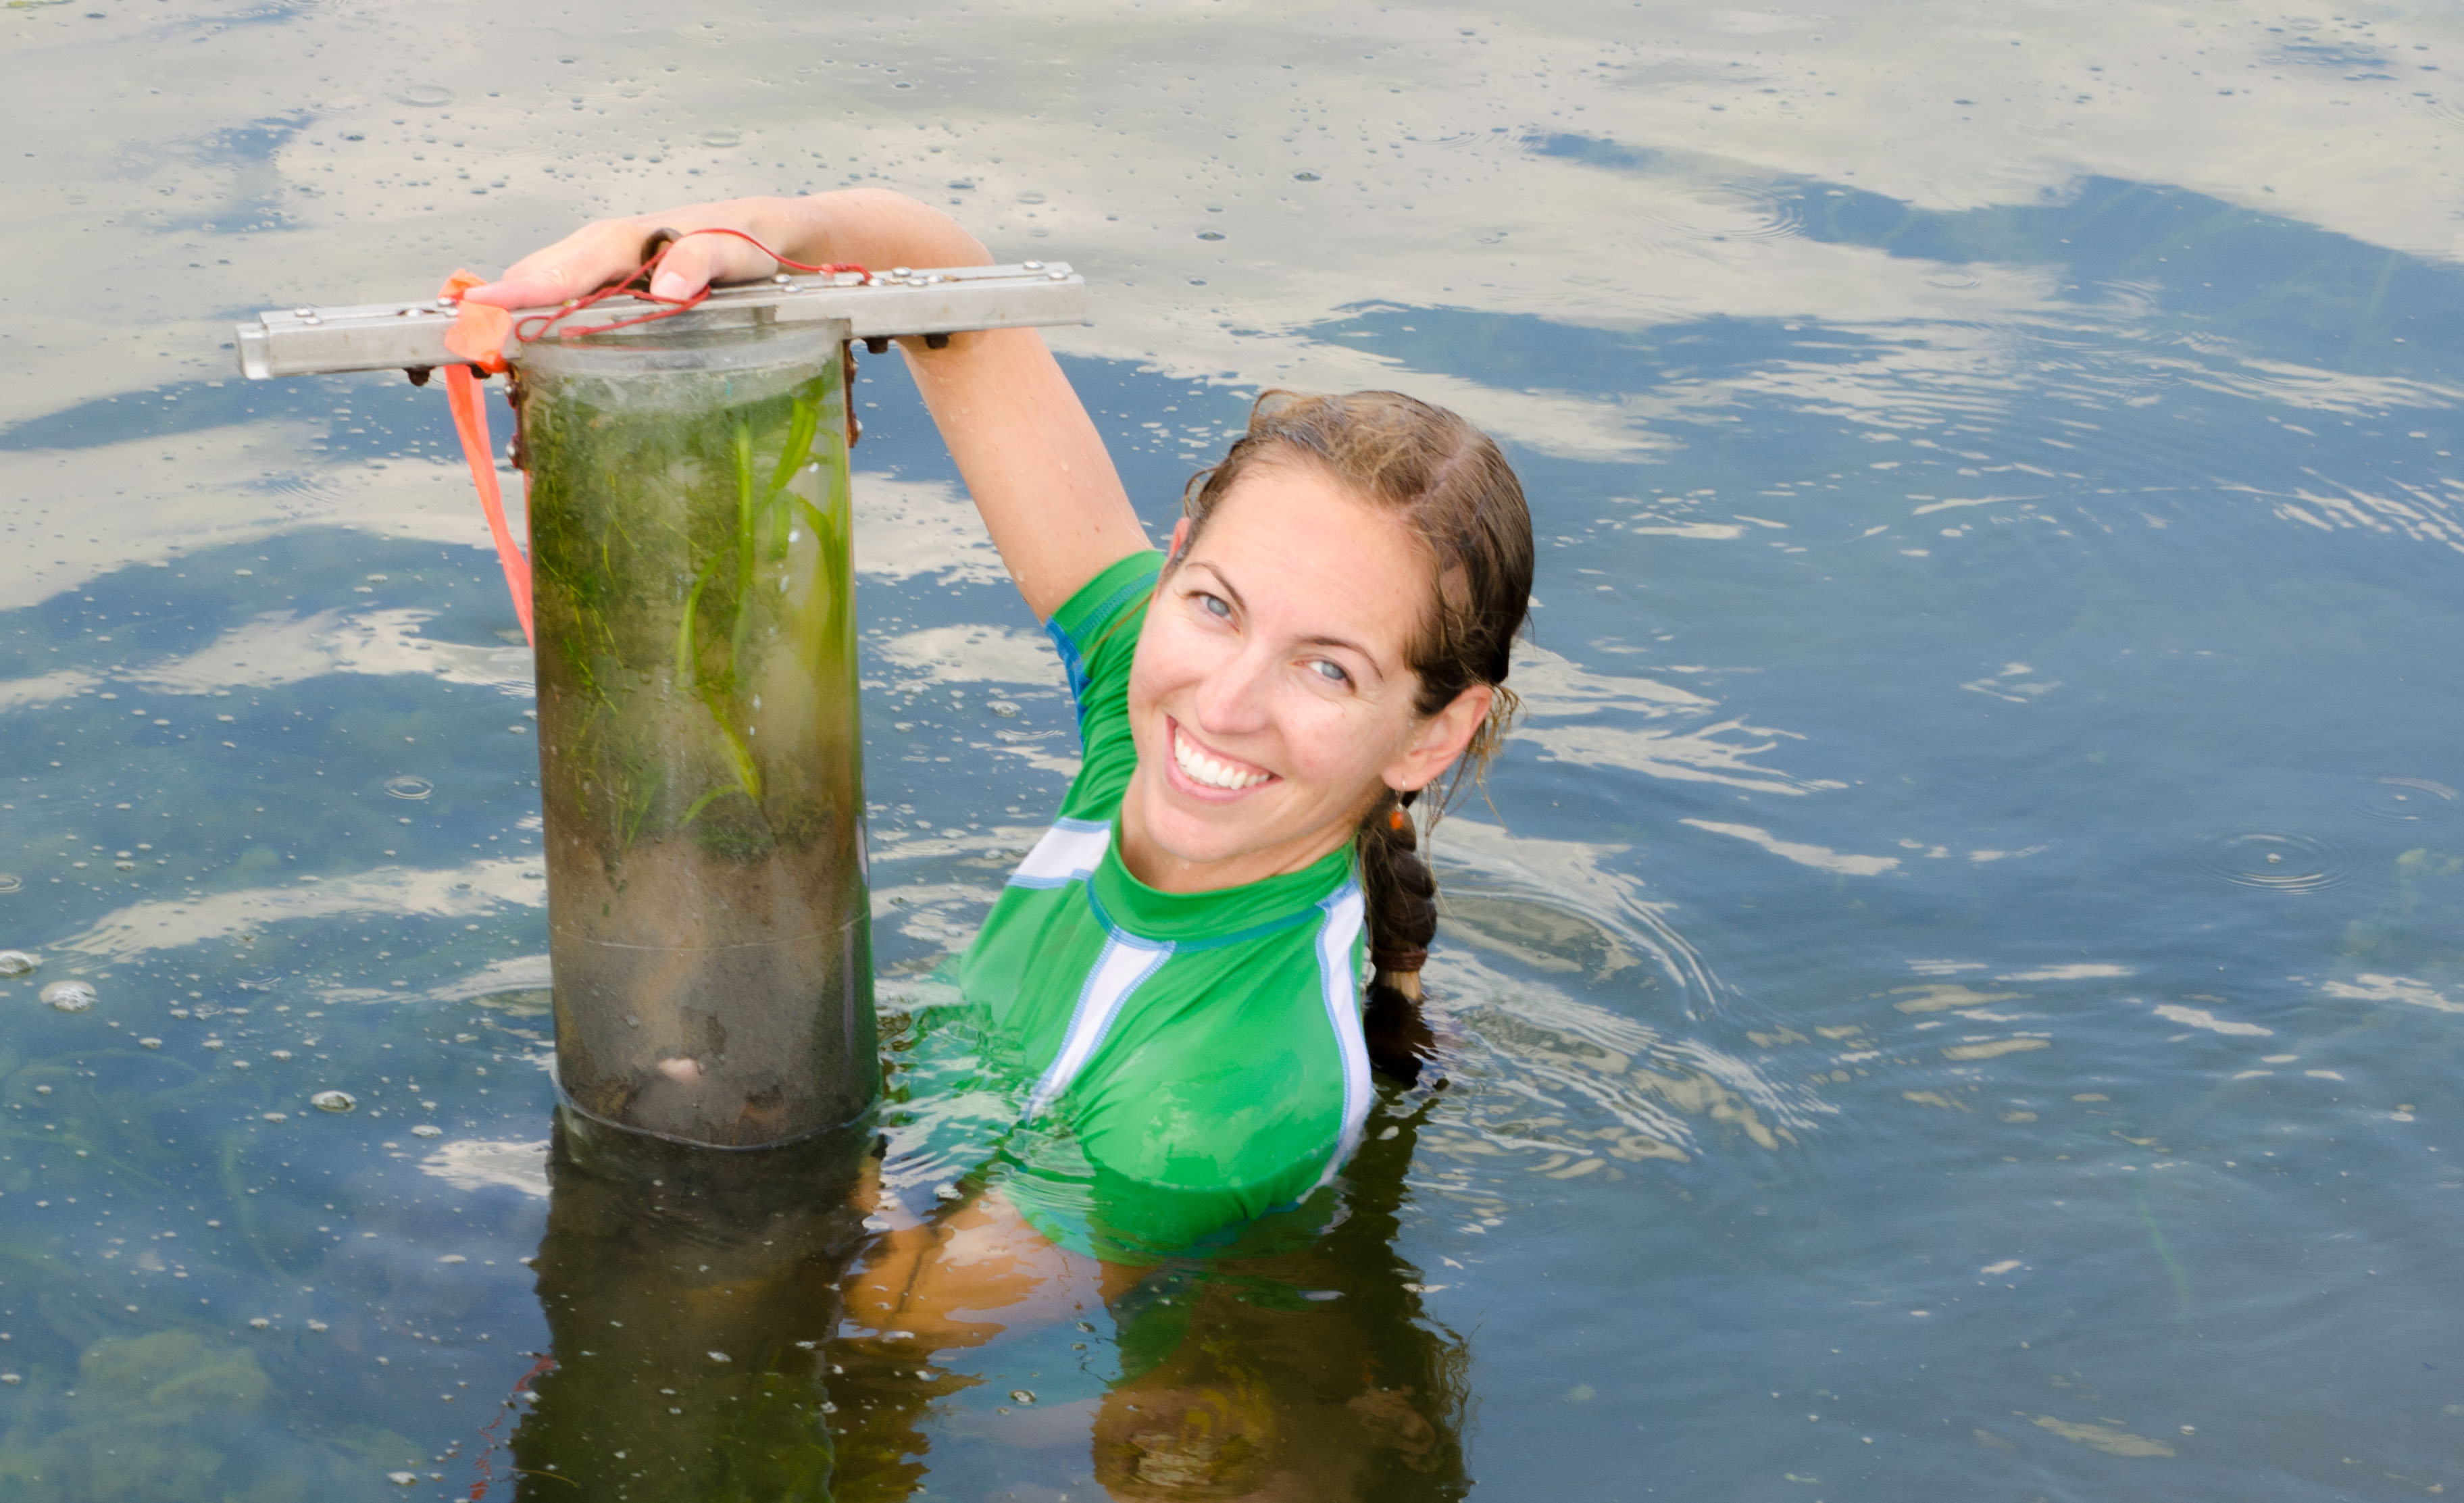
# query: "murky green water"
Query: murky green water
1954,993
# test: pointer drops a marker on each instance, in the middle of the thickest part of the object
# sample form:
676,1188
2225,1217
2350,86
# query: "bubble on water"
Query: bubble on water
16,962
407,787
10,882
2410,799
318,1326
276,1116
722,138
402,1479
333,1101
2280,862
428,1130
721,1356
1956,281
69,997
260,1323
149,1043
13,1379
1021,1396
427,95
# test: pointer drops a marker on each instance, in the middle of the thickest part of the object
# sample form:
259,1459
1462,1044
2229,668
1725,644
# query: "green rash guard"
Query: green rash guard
1188,1061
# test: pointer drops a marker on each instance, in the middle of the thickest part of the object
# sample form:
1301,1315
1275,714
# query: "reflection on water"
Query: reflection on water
702,1346
689,1297
1950,993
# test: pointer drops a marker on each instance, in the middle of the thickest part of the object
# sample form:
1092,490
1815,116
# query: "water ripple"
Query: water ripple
2280,862
2410,799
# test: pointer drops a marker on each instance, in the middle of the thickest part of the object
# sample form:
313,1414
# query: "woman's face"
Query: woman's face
1270,698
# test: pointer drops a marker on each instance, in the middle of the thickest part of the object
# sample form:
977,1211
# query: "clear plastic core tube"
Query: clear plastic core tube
701,760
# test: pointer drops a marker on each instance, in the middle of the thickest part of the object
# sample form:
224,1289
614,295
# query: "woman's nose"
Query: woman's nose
1232,698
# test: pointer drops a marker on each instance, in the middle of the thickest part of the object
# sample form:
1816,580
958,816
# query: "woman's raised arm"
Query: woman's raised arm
1028,449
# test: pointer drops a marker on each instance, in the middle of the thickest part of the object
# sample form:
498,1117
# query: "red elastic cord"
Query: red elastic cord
470,423
487,1467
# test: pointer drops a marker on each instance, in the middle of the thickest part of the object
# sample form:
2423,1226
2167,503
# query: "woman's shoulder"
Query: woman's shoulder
1105,614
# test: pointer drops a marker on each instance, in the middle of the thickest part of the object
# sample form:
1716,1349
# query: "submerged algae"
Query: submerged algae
692,586
154,1417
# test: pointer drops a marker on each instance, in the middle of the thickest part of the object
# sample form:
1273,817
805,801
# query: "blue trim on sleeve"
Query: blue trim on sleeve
1098,618
1070,661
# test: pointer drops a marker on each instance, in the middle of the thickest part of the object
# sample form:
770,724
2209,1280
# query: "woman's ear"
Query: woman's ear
1439,740
1180,532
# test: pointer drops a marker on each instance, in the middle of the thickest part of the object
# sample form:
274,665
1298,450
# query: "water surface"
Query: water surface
1948,994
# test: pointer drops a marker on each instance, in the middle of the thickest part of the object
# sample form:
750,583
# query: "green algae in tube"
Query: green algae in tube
701,760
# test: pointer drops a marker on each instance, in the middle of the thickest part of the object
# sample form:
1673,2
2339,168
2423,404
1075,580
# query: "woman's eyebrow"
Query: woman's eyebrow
1237,603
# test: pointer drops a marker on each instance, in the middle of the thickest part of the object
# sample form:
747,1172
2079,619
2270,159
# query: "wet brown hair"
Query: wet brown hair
1448,483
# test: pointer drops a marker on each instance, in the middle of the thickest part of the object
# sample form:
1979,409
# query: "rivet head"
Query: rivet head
1032,265
304,313
782,279
902,271
1057,277
445,302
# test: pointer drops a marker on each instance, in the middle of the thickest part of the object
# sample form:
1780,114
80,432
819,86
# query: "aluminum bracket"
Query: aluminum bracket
376,337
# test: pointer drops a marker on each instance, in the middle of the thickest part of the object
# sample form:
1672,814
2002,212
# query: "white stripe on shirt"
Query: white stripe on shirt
1068,853
1124,964
1345,911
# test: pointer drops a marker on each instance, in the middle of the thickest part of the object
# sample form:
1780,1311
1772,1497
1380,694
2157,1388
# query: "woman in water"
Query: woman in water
1169,989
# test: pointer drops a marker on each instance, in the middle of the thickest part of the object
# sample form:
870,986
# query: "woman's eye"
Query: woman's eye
1331,673
1216,606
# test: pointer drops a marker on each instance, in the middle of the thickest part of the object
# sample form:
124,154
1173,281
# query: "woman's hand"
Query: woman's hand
608,250
868,227
1030,455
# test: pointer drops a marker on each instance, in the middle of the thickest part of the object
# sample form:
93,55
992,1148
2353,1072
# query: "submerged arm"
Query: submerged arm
967,1273
1025,444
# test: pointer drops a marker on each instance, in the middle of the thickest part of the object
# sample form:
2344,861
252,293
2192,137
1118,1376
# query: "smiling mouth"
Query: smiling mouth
1210,771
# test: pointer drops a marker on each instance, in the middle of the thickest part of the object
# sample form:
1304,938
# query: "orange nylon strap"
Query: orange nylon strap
471,423
479,329
479,334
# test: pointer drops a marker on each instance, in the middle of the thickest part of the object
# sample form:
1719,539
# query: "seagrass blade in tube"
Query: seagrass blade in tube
699,746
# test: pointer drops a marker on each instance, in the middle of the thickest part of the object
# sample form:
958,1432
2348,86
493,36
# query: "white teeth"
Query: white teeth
1208,772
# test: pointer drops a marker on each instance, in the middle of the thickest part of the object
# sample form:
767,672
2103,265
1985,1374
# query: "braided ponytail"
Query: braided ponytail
1401,898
